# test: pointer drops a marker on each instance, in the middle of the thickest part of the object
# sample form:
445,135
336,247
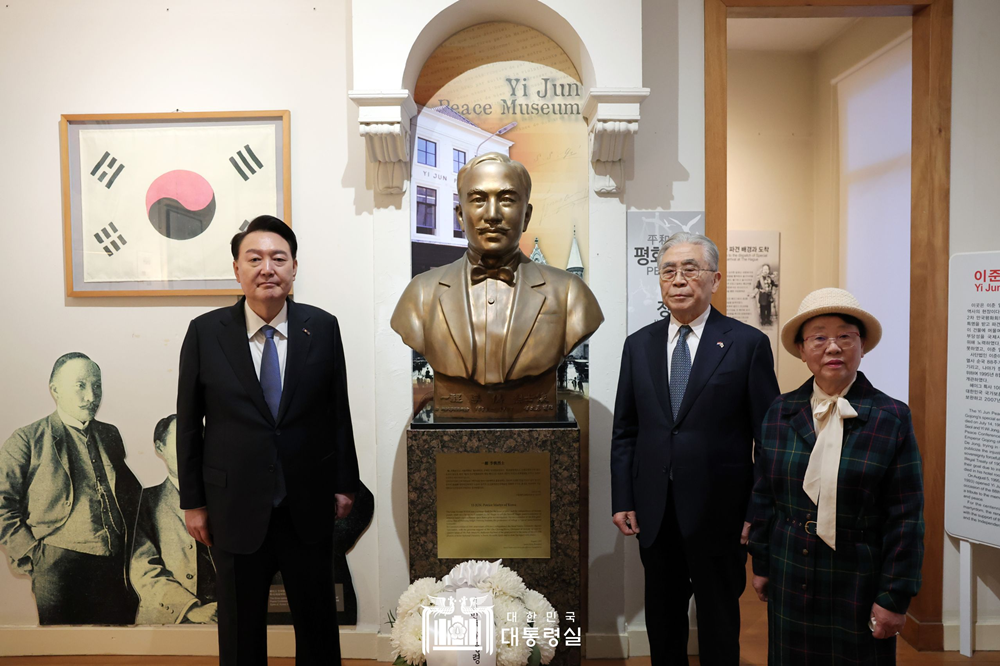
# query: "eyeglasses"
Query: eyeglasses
689,273
821,342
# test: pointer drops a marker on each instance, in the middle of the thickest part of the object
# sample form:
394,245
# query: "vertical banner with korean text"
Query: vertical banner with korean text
752,262
646,231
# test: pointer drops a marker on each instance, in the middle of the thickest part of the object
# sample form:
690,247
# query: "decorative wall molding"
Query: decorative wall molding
384,119
612,116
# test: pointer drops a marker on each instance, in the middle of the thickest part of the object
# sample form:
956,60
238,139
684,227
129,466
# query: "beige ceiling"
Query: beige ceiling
796,34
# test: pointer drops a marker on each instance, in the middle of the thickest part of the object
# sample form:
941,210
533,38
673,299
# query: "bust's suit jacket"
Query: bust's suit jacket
164,569
36,490
705,453
434,319
228,442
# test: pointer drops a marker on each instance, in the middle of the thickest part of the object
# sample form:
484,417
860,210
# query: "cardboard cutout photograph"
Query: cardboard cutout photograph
68,503
173,574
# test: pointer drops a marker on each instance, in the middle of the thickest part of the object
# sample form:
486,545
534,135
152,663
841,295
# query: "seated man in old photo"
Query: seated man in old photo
173,574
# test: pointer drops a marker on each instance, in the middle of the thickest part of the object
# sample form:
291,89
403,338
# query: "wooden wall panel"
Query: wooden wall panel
929,244
716,52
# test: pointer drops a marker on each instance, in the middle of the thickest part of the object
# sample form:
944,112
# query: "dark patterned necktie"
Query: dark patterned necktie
270,371
270,383
680,370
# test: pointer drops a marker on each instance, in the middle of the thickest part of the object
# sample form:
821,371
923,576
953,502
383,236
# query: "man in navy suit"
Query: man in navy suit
265,451
692,394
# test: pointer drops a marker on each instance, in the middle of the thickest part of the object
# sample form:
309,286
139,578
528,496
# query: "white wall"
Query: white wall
875,105
118,56
114,55
771,153
975,200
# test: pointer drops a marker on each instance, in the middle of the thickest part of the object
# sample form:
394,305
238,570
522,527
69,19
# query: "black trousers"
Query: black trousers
673,573
242,590
77,588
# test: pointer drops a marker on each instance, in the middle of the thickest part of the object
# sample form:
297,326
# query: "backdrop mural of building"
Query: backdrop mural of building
500,87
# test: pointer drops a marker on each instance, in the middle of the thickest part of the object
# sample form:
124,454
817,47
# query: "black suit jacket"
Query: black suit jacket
228,464
706,452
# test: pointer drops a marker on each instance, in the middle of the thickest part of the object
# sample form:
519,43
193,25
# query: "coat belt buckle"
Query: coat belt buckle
807,524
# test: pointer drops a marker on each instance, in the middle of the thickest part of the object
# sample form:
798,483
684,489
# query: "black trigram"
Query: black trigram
105,169
246,163
110,245
246,223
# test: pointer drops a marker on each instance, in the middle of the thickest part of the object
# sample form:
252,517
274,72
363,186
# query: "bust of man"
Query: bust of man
494,322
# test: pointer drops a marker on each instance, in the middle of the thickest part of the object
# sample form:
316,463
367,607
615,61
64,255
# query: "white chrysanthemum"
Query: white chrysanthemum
504,607
504,581
416,595
513,655
406,638
540,606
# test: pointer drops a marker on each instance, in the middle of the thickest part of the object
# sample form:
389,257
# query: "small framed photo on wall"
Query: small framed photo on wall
151,201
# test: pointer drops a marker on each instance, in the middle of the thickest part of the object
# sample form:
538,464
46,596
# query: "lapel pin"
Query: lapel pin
306,331
721,344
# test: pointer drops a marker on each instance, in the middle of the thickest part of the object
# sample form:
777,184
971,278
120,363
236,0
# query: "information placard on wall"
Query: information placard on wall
646,231
972,480
752,280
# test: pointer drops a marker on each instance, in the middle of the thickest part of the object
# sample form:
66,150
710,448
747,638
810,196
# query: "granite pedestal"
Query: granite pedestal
558,577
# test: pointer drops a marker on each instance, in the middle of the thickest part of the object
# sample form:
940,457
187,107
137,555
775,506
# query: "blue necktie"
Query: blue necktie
680,370
270,383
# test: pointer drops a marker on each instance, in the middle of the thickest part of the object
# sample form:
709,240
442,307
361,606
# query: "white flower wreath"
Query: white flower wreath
513,605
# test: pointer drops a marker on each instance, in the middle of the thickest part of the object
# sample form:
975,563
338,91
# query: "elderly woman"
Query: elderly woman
837,535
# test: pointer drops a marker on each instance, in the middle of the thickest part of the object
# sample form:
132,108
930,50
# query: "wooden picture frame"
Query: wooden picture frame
151,200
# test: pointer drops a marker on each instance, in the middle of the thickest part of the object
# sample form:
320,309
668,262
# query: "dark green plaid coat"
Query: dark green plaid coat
819,600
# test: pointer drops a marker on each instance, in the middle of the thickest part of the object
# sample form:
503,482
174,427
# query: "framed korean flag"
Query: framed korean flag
152,201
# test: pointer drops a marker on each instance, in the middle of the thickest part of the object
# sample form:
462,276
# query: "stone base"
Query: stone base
560,577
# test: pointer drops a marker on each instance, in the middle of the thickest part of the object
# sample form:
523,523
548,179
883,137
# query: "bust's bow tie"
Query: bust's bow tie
480,273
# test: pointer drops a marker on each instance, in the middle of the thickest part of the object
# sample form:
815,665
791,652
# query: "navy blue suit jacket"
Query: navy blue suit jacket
705,454
228,464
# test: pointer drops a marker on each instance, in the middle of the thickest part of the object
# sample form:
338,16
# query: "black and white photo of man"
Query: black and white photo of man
68,502
173,574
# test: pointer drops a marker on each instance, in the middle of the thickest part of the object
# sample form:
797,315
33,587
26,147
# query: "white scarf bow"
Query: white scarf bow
820,483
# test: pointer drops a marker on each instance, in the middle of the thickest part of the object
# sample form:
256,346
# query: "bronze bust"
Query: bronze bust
493,325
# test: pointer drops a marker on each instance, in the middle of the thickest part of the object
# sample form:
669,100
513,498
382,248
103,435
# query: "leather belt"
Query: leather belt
844,534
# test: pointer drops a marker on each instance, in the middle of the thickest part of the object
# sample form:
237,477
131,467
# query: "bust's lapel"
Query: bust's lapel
455,308
524,311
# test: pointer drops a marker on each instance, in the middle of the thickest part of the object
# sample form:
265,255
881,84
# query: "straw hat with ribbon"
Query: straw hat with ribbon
830,301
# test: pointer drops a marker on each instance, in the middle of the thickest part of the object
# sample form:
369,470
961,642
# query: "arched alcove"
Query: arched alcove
466,13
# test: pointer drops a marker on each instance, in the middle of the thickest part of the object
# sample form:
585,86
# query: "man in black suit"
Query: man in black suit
692,394
265,450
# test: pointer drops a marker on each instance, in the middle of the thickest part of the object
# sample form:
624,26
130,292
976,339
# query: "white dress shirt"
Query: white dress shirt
256,337
693,338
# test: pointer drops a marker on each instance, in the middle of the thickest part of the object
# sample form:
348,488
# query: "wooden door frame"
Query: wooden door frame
929,238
